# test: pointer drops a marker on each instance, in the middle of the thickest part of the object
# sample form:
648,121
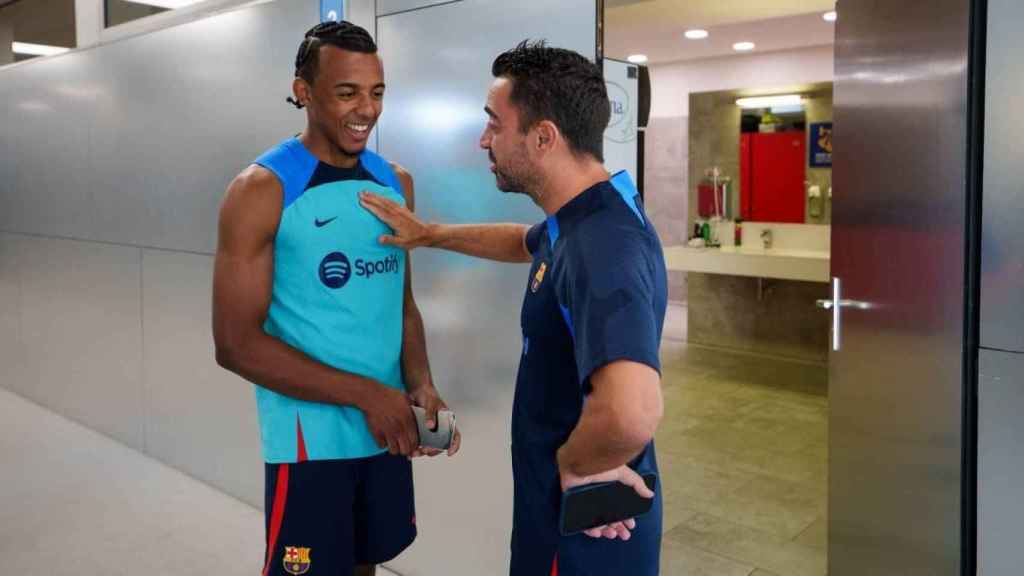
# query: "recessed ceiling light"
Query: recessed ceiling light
638,58
36,49
830,16
743,46
697,34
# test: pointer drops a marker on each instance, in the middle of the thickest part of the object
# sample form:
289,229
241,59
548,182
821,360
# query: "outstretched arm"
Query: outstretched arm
501,242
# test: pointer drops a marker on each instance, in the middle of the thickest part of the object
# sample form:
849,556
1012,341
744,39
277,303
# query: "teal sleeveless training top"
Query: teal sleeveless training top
337,297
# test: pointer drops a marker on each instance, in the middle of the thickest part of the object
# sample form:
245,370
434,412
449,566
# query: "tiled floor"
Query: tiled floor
742,449
743,452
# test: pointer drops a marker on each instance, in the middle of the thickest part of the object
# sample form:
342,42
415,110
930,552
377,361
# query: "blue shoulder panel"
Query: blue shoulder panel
553,231
292,165
381,170
624,185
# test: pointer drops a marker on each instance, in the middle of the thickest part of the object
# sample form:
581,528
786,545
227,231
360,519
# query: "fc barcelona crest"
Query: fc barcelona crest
296,560
538,277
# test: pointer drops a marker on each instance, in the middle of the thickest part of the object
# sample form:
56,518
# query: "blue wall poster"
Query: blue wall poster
332,10
821,145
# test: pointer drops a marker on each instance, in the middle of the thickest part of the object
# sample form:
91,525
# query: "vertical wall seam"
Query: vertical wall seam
142,356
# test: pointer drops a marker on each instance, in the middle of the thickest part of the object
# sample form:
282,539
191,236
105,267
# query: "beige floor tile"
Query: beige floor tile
764,371
774,505
800,407
691,479
679,559
792,437
760,572
706,400
816,535
749,546
675,512
744,442
733,438
797,466
674,423
768,515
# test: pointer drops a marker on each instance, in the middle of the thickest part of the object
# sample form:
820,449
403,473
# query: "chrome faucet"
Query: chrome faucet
766,238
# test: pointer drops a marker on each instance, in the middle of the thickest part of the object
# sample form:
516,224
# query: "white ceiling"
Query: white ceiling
655,27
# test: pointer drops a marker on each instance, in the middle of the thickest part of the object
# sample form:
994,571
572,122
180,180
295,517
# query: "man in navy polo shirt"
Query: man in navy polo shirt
588,393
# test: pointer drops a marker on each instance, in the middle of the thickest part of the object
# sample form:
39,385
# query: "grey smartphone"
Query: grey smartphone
440,436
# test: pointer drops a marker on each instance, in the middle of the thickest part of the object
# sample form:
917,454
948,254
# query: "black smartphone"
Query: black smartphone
593,505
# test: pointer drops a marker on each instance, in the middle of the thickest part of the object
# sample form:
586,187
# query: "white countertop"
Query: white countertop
752,261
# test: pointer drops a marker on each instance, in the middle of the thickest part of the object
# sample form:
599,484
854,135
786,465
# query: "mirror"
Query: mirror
766,152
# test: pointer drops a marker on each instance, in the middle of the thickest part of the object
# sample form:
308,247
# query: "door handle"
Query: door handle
856,304
836,305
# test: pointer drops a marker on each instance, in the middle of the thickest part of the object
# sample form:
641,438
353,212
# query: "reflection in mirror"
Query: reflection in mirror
767,153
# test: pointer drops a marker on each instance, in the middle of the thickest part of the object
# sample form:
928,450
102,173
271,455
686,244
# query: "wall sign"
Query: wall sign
821,145
332,10
620,137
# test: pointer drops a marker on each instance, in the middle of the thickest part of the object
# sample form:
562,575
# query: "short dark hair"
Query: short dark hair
561,86
344,35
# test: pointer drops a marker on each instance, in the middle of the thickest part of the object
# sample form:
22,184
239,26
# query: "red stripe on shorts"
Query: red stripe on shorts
277,514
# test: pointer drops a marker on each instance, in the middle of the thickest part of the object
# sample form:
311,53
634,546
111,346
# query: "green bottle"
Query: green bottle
705,233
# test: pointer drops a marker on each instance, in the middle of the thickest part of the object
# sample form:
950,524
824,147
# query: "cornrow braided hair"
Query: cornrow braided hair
344,35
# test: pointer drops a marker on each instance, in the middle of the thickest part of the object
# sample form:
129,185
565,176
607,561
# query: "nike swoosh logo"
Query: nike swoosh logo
321,223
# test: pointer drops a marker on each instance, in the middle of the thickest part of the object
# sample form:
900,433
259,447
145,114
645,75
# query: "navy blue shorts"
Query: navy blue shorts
332,515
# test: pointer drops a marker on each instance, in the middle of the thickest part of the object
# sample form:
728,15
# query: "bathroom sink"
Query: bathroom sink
753,261
786,252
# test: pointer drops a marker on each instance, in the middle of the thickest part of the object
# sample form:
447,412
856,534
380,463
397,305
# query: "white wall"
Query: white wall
671,84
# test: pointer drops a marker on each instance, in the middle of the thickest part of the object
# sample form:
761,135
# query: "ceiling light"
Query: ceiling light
638,58
743,46
787,109
830,16
169,4
770,101
37,49
697,34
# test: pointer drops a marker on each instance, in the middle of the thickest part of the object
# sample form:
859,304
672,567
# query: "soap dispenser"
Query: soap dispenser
814,201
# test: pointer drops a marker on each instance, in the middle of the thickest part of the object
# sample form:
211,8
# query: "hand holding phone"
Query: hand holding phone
608,502
440,437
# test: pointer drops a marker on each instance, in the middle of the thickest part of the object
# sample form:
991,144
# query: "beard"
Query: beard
514,175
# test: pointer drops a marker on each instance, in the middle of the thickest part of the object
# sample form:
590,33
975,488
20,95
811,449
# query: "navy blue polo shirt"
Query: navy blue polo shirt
596,294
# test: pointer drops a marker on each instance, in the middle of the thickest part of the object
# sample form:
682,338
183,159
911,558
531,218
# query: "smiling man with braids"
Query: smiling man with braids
310,308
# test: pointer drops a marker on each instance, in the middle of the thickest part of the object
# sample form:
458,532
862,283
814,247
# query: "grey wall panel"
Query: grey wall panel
199,417
1000,462
134,142
11,353
1002,281
363,13
437,87
8,165
82,333
385,7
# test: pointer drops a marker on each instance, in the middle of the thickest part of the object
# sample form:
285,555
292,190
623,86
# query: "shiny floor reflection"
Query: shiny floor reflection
743,452
76,502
